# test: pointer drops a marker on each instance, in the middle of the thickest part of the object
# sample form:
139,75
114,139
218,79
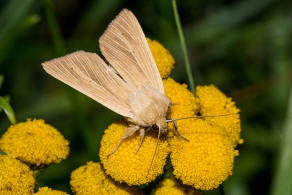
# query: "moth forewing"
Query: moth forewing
125,47
77,70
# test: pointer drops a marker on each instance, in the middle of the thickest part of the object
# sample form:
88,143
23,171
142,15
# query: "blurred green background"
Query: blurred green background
243,47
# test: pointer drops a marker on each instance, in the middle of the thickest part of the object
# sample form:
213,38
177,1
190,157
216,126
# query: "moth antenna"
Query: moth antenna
171,120
158,136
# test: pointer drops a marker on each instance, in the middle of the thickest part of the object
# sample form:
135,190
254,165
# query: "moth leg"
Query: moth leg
176,129
157,141
142,135
128,132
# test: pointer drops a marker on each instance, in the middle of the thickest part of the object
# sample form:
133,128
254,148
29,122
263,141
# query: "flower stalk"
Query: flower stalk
183,45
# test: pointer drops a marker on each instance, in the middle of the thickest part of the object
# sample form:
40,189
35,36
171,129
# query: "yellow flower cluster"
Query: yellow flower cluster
164,60
125,165
172,187
35,143
15,177
49,191
91,179
204,161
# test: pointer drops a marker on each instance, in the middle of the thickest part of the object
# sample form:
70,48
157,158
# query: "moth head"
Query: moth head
161,125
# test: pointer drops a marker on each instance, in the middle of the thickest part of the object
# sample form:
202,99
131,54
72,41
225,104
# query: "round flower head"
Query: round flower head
126,165
213,102
49,191
90,179
35,142
206,159
173,187
184,104
163,58
15,177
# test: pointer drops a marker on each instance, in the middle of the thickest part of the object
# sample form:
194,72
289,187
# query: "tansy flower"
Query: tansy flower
206,160
49,191
173,187
213,102
162,57
35,142
184,103
90,179
126,165
15,177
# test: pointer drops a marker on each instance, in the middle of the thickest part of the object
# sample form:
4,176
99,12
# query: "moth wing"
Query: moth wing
125,47
89,74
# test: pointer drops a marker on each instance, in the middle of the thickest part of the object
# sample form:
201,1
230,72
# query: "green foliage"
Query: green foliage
4,105
283,173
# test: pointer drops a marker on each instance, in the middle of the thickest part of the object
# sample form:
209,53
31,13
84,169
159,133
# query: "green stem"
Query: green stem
54,28
183,45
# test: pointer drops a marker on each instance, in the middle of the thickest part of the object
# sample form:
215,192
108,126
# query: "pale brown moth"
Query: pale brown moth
129,84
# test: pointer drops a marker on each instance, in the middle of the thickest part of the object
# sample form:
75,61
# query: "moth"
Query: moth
128,82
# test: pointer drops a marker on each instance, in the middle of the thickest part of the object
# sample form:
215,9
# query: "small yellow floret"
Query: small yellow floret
35,142
174,187
90,179
15,177
125,165
163,58
49,191
214,102
206,160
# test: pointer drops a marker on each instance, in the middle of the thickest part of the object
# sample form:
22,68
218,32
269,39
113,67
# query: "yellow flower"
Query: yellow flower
173,187
90,179
163,58
125,165
49,191
184,103
214,102
15,177
35,142
206,160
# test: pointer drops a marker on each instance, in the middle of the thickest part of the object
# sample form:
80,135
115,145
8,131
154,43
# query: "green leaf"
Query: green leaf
4,104
283,175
